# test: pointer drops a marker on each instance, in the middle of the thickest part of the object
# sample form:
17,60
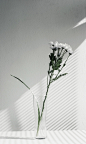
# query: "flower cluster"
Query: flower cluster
56,63
56,45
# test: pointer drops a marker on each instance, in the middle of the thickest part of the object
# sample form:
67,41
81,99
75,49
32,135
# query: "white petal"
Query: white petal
51,43
60,45
70,50
52,47
63,45
56,44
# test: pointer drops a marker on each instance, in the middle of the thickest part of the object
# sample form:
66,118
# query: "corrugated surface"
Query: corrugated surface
53,137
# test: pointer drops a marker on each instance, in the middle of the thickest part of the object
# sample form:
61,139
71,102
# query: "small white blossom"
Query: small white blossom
52,46
56,44
60,45
66,46
70,50
51,43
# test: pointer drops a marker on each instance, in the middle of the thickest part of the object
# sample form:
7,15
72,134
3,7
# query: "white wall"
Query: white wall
26,27
82,85
66,103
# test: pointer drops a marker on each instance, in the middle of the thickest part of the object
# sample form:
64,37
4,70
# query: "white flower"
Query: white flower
51,43
60,45
52,46
66,46
70,50
56,44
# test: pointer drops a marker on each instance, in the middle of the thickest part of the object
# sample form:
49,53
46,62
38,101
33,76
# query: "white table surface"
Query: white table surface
53,137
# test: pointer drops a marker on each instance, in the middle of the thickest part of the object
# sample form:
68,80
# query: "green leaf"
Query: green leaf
20,81
57,64
52,57
62,75
50,71
59,76
59,60
64,64
50,63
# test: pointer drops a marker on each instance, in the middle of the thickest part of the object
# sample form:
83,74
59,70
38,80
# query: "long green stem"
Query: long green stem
40,117
48,85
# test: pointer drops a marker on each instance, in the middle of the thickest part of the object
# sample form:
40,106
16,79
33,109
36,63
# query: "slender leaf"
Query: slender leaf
59,76
20,81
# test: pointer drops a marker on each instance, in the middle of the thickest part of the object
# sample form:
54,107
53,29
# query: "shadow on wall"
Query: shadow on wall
62,108
19,116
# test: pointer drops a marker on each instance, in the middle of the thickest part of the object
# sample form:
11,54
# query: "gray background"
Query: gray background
26,27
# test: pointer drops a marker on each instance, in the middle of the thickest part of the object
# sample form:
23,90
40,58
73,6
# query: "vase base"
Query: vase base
41,138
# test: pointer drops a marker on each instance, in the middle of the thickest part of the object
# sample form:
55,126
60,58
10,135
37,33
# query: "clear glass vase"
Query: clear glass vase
40,109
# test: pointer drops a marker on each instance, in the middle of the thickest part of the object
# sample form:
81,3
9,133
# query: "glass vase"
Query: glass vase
40,108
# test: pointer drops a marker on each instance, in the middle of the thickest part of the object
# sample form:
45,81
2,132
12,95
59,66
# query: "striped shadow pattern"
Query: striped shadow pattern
62,101
5,124
65,102
56,137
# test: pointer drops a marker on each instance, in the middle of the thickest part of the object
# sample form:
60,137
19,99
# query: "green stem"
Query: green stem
39,119
46,95
37,128
48,89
